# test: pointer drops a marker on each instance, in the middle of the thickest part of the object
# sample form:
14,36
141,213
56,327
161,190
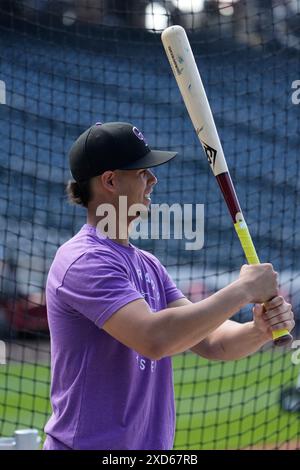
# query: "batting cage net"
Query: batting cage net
65,65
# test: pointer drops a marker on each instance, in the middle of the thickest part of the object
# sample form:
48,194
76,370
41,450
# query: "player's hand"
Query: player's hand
260,282
274,315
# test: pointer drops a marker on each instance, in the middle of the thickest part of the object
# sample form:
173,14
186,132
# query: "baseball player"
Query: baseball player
116,317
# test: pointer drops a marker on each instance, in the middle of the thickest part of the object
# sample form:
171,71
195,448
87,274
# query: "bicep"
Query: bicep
131,326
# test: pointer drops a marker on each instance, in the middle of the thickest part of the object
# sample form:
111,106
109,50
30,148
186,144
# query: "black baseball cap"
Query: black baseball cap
112,146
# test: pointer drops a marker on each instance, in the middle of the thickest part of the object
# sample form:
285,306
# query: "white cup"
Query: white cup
27,439
7,443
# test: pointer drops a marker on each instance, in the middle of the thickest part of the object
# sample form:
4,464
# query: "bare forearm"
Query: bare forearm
232,341
180,328
242,341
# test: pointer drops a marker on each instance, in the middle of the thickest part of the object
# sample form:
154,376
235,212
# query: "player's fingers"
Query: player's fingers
274,312
258,309
282,317
275,302
285,325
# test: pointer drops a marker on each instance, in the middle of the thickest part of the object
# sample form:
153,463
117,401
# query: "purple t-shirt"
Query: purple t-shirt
105,395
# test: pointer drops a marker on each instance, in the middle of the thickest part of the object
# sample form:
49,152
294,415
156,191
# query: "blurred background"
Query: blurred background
65,65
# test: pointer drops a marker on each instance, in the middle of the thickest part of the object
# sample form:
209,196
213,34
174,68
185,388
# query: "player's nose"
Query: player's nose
151,176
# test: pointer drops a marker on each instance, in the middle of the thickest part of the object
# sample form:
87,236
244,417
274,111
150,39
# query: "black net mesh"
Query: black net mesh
67,64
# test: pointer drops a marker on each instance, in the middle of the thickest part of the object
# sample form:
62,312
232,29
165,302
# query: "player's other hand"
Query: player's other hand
274,315
260,282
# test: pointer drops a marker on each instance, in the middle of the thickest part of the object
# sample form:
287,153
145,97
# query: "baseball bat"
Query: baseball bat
188,79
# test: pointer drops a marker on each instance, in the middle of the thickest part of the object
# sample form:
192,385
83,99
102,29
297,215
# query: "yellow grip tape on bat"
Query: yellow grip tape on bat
252,258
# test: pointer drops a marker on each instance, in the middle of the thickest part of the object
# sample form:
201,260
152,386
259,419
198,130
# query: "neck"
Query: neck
118,230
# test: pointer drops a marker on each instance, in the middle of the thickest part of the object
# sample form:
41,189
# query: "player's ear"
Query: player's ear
108,180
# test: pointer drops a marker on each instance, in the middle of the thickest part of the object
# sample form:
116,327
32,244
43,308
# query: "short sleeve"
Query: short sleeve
97,285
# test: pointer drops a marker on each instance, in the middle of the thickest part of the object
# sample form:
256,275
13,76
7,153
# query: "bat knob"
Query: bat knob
284,340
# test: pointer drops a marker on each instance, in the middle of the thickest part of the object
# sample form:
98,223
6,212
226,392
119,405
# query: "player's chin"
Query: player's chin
147,202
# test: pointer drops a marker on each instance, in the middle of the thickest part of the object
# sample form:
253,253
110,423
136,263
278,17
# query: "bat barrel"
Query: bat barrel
182,61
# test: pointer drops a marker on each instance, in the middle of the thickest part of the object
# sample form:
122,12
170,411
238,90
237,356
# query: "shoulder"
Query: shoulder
81,260
153,261
97,260
149,256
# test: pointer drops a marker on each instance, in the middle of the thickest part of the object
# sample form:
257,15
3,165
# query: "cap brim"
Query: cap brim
151,159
